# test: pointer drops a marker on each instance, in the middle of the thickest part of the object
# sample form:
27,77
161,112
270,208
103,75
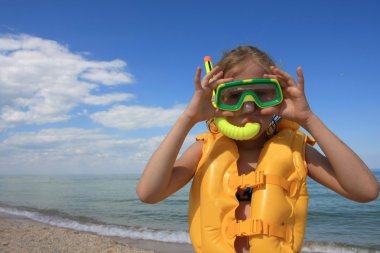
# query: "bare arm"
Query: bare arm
341,169
163,175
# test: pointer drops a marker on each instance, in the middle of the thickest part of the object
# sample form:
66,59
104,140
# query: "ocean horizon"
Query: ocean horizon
107,205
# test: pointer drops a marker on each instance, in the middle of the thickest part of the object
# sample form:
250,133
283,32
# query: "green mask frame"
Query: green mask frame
264,92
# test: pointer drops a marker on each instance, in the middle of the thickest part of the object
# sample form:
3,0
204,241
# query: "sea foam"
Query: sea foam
102,229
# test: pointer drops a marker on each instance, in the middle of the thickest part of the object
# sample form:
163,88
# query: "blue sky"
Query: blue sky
94,86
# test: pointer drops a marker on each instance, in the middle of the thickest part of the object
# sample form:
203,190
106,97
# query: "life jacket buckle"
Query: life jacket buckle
249,227
257,227
255,180
259,179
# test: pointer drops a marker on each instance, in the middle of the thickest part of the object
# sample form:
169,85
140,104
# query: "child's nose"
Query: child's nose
249,107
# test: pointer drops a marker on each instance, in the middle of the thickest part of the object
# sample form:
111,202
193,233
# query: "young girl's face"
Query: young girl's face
249,112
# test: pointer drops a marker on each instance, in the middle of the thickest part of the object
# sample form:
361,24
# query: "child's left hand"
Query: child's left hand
294,107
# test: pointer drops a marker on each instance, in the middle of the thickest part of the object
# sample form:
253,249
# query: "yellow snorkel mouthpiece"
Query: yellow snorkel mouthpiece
246,132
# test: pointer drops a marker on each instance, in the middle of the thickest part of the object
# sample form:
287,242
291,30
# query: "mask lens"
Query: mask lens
263,93
231,96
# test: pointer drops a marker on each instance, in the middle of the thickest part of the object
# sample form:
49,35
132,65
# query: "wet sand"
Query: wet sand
27,236
23,235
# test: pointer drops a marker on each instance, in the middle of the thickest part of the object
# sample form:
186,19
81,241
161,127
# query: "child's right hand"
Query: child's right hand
200,107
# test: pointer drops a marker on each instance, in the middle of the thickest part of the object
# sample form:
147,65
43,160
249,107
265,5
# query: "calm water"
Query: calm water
108,205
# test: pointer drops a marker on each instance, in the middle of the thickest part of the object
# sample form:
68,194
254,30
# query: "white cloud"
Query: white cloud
74,150
107,99
41,81
109,76
134,117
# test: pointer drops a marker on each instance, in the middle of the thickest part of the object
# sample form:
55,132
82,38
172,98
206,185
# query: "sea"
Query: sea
107,205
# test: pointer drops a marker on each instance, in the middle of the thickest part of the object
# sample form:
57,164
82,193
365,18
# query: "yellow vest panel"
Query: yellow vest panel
279,199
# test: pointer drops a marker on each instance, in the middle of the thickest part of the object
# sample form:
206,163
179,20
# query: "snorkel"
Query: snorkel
246,132
243,133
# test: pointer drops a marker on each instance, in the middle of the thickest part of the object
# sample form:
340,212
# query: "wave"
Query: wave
59,219
98,228
332,247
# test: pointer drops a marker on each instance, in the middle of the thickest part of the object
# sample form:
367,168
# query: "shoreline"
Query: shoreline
19,234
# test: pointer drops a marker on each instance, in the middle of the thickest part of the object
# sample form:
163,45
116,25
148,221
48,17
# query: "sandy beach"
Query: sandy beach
23,235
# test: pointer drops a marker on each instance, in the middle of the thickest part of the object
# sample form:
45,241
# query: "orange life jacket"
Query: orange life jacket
279,199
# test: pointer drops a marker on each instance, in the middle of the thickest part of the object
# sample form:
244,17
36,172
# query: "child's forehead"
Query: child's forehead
245,70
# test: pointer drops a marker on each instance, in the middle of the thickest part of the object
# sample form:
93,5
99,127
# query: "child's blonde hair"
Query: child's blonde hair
239,56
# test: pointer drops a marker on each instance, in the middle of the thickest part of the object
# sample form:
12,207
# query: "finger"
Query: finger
281,80
289,80
217,76
270,110
197,78
301,80
207,79
208,83
223,113
218,82
270,76
210,74
213,75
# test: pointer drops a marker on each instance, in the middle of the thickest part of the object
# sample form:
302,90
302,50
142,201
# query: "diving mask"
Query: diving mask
264,92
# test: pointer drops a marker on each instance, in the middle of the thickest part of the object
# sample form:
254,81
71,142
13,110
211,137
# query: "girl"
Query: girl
339,169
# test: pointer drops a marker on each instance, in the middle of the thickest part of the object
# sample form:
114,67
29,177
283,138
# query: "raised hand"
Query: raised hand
200,107
294,106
